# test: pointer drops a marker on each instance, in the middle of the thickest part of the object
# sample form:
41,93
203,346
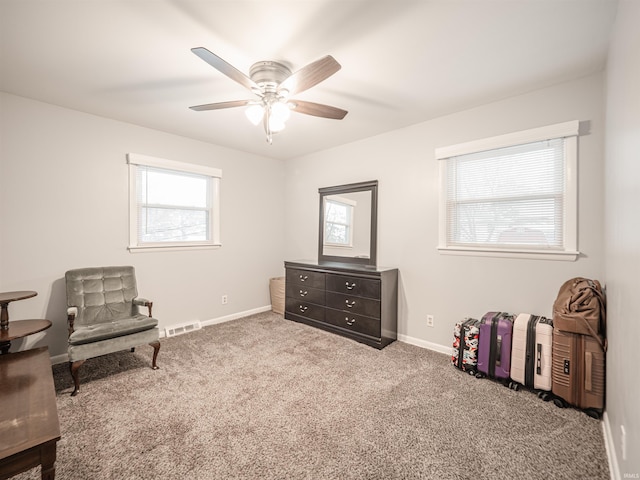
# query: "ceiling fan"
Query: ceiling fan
273,83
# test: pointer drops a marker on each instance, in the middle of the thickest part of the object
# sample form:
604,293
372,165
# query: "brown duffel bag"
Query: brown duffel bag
580,308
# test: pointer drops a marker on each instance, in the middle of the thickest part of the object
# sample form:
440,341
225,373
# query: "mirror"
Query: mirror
348,223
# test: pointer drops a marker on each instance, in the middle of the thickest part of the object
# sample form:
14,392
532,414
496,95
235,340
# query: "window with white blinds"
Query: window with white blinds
511,195
172,204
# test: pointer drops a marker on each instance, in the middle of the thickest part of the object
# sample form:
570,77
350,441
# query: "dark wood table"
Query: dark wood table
19,329
29,428
6,298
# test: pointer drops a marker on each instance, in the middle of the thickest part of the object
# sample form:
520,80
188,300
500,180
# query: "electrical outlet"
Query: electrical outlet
429,320
623,442
224,299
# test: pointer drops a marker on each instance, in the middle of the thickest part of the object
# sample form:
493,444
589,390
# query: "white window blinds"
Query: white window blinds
172,206
509,196
517,197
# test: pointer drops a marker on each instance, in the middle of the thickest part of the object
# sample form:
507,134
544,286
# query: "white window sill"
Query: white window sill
511,253
172,248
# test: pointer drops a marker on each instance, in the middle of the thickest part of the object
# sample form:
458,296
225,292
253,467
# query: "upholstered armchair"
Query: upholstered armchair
103,316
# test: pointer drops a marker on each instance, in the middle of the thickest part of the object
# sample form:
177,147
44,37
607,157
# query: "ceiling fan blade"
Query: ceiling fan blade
310,75
318,109
220,105
229,70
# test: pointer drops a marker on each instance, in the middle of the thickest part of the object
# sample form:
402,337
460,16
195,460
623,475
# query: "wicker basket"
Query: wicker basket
276,288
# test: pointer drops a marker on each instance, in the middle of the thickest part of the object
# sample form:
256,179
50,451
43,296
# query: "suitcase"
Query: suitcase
531,347
494,345
465,345
578,372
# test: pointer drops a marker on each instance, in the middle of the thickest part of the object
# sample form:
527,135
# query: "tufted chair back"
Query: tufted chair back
101,294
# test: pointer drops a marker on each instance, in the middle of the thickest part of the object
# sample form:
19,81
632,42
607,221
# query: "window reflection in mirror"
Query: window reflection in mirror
338,222
347,225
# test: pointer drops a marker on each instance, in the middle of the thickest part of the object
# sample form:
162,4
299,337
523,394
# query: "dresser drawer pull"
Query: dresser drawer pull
350,322
303,293
303,308
350,305
303,277
350,286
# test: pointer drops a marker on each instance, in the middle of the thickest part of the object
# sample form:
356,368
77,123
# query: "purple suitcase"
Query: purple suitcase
494,348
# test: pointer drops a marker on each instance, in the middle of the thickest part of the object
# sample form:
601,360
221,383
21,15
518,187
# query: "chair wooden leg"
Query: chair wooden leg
75,367
156,349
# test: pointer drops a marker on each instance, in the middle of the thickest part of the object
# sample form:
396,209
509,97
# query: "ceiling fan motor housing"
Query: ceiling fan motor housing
268,74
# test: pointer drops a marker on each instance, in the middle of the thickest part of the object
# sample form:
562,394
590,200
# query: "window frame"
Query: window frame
135,160
569,132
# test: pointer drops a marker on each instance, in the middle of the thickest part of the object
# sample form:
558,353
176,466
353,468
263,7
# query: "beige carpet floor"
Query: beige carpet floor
266,398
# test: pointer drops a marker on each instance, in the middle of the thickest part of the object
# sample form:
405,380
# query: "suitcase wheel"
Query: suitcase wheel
545,396
559,402
471,372
480,375
593,413
514,386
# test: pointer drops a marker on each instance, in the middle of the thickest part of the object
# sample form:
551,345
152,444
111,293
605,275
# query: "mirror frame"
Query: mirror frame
371,186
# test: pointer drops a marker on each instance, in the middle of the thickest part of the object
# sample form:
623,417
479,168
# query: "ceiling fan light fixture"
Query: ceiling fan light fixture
275,125
280,112
255,113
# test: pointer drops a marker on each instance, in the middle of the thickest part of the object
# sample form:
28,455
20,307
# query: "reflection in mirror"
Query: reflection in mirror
347,225
348,216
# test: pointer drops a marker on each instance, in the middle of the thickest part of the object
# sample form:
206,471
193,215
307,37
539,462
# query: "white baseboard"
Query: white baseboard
235,316
425,344
65,357
614,468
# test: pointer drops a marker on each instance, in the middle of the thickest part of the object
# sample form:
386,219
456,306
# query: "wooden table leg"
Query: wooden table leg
4,316
48,459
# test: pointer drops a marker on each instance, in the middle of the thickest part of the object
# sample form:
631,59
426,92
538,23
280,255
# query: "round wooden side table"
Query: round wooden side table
5,299
20,329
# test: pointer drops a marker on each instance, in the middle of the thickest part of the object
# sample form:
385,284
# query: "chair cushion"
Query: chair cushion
116,328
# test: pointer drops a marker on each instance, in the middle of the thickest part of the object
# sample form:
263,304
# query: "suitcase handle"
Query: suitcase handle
539,358
588,360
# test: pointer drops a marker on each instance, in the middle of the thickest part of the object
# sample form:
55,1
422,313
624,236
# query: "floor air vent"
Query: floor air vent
180,329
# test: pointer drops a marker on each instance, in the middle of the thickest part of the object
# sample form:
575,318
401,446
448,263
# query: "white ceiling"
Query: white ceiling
403,62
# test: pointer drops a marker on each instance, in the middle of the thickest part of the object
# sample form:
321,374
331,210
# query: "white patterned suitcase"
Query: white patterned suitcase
531,353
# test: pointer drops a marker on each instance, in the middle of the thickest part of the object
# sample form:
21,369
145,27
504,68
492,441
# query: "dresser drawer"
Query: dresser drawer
357,323
304,309
353,304
305,278
361,287
305,293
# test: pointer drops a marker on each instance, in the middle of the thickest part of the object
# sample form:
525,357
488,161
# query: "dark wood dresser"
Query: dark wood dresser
356,301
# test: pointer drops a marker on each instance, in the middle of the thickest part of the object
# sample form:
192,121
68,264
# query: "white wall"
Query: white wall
452,287
622,233
64,205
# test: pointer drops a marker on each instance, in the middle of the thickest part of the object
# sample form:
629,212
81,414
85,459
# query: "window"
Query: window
172,204
338,214
512,195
